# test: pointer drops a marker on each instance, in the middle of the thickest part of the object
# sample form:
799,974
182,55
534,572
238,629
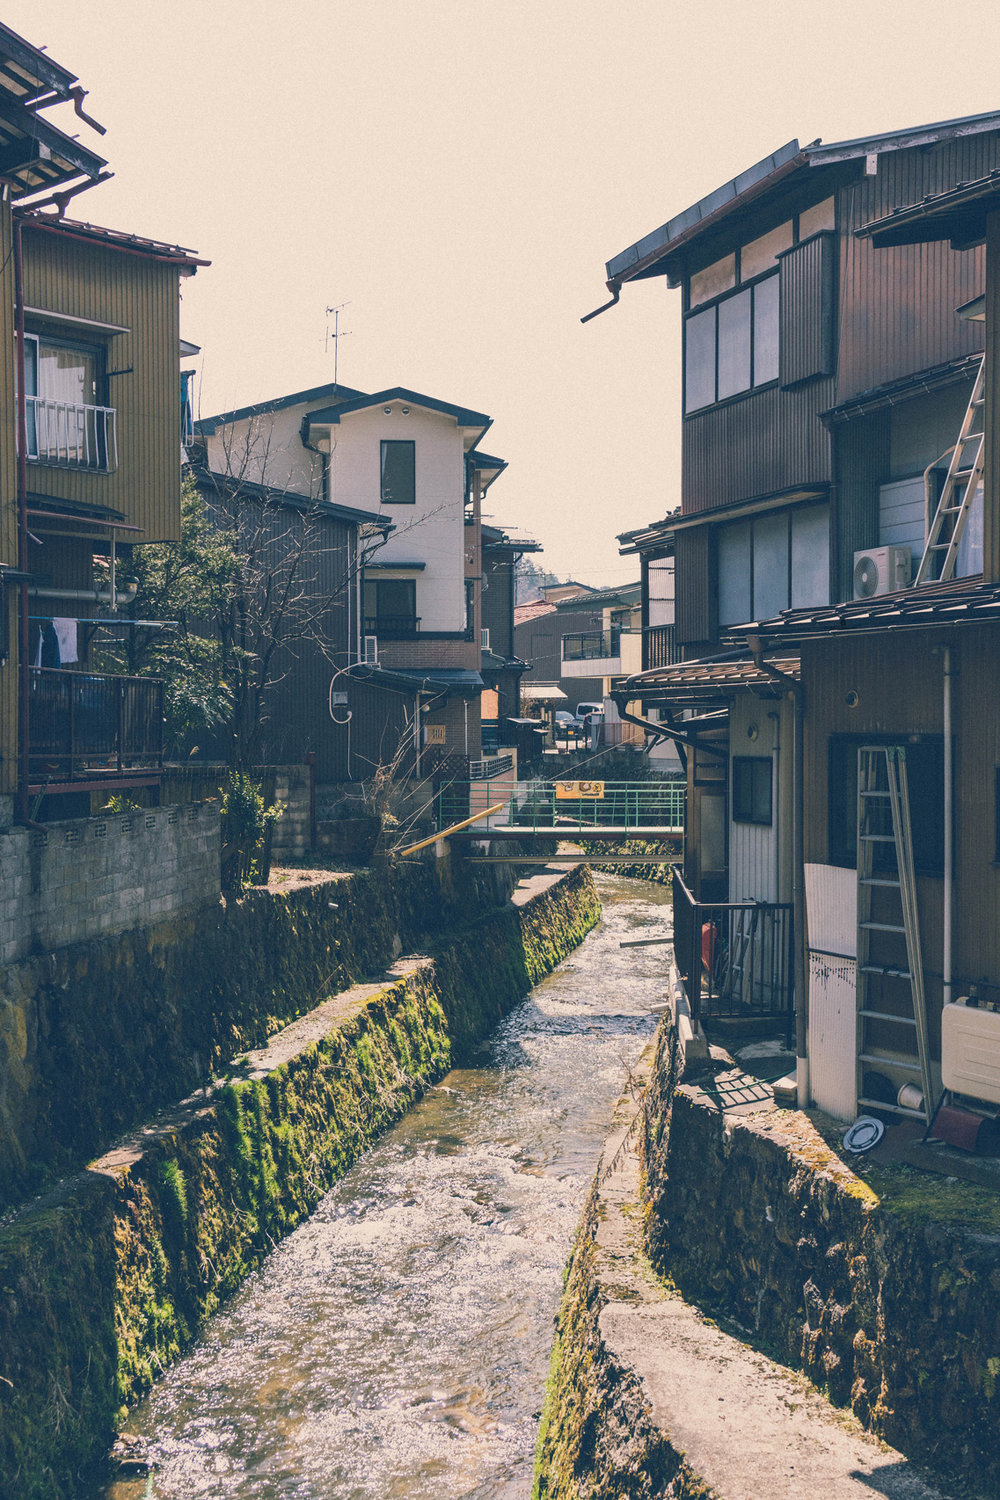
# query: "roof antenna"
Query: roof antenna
336,335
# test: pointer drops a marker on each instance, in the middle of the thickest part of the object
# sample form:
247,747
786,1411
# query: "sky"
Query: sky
457,174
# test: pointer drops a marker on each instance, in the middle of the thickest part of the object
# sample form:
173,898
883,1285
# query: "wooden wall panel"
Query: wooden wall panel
695,585
769,441
68,276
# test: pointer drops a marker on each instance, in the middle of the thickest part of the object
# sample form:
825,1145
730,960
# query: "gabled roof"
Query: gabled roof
328,393
659,253
464,415
532,611
960,601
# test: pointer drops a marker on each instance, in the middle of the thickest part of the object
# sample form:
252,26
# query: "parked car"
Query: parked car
587,711
568,726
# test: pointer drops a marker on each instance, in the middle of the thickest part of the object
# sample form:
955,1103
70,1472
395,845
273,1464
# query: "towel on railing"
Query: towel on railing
67,636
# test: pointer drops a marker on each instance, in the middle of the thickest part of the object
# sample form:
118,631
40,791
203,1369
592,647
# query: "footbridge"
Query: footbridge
523,813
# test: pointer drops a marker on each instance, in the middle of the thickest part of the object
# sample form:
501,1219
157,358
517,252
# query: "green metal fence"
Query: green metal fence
634,807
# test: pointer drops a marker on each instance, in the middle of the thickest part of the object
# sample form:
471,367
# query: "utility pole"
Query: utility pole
336,335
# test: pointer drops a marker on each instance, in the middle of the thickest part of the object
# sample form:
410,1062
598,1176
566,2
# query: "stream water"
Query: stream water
397,1344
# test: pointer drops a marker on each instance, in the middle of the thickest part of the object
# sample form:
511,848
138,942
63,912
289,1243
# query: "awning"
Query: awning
542,692
713,680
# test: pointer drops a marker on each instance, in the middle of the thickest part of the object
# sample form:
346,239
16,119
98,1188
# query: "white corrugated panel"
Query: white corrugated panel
832,1034
970,1051
832,909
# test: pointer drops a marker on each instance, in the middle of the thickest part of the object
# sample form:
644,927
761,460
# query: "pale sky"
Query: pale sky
459,173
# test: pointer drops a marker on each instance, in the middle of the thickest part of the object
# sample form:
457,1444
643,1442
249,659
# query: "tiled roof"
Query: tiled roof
711,678
532,611
118,237
960,601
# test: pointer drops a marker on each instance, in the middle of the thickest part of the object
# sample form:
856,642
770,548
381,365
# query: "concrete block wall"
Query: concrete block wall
291,837
87,877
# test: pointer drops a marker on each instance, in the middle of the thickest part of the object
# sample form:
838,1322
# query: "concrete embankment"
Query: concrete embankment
649,1399
110,1275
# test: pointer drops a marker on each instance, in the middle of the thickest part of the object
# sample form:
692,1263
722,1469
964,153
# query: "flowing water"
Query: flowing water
397,1344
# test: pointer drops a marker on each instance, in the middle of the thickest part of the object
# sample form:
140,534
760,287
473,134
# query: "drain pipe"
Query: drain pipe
795,692
24,681
949,838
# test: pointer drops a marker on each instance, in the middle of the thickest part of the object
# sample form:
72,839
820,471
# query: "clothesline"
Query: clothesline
97,621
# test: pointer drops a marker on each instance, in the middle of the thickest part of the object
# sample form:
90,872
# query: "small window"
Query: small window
713,280
752,789
398,472
759,255
820,216
925,781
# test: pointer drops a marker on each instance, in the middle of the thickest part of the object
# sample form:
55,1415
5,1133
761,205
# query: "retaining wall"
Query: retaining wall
110,1276
96,1034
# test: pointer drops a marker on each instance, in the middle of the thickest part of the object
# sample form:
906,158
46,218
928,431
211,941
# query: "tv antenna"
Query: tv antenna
336,335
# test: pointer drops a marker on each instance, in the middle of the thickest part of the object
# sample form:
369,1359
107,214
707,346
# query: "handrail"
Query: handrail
446,832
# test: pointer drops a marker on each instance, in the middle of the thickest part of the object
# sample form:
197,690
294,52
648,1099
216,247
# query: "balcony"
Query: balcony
88,728
591,645
659,647
392,627
601,653
71,436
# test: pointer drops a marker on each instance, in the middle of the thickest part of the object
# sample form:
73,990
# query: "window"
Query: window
391,608
925,781
774,561
752,789
732,347
398,472
65,418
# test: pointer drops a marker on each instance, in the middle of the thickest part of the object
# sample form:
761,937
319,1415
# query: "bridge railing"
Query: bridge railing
736,958
568,807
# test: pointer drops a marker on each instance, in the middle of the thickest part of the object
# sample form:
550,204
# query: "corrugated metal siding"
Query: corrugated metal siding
85,281
807,310
695,602
772,440
898,305
380,730
753,848
862,449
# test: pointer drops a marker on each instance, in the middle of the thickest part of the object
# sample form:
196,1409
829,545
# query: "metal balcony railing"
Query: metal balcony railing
71,436
86,726
659,647
633,807
736,958
591,645
392,627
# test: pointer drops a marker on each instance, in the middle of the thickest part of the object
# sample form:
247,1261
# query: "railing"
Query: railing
544,806
70,435
659,647
392,627
83,725
592,645
736,958
489,766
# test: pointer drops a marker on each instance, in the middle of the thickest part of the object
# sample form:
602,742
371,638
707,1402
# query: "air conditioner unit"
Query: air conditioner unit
484,638
881,570
370,652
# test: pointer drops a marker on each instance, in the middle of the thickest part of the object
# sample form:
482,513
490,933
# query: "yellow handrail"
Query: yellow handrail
445,832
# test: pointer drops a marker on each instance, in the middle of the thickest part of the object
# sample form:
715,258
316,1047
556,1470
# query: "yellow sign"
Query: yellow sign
434,734
574,789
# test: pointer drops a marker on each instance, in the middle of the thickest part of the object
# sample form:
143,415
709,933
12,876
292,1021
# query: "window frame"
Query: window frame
788,514
398,443
744,794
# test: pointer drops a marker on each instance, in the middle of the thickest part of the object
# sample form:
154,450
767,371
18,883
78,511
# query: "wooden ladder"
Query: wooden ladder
963,479
885,864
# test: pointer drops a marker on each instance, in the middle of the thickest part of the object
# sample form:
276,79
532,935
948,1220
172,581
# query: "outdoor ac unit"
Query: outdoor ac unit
881,570
370,652
484,638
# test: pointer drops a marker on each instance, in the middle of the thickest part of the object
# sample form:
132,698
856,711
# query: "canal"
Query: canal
397,1344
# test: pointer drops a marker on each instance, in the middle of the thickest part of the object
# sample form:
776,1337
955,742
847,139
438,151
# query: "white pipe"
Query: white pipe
949,850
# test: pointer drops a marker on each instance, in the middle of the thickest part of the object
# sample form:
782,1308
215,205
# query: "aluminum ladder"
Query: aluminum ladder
886,879
963,479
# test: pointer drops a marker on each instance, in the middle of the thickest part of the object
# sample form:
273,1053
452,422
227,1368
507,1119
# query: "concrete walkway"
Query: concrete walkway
748,1429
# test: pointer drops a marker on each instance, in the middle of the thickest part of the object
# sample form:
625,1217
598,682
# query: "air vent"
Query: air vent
370,653
882,570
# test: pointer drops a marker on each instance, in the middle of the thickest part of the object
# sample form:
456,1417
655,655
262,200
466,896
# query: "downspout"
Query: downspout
665,731
24,680
795,692
949,838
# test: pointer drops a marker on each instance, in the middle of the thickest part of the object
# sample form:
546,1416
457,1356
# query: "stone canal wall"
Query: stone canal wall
108,1277
95,1035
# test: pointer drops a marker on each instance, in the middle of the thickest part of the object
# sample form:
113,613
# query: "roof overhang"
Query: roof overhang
712,680
782,501
960,601
472,424
958,215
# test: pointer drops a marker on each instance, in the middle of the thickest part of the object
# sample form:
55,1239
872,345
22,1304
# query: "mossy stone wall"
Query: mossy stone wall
95,1035
109,1277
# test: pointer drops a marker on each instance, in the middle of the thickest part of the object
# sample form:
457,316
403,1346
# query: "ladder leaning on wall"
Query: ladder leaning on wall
890,999
961,483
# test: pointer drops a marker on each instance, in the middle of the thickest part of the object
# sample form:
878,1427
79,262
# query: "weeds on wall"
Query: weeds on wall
246,826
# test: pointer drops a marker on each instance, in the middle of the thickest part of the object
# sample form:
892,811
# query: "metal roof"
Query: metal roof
655,534
119,239
710,678
958,214
236,488
464,415
645,257
893,391
960,601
